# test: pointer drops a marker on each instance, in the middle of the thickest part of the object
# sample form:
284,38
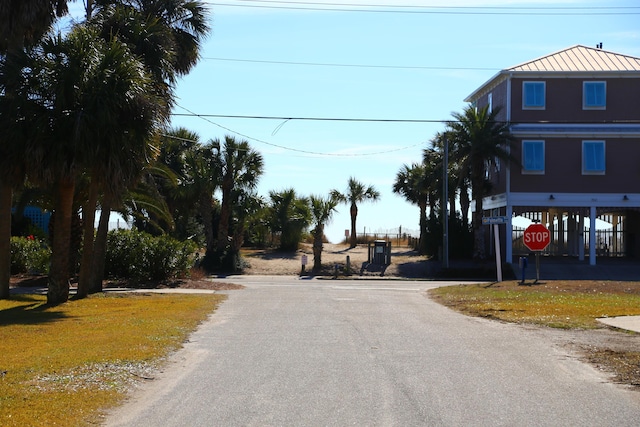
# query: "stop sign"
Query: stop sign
536,237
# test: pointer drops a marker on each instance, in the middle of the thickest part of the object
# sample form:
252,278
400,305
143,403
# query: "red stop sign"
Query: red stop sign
536,237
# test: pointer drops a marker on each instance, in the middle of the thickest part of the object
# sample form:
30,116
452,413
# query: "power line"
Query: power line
378,120
413,6
443,10
333,64
206,117
321,119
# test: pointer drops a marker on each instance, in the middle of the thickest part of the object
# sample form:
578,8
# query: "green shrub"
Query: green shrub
138,256
29,255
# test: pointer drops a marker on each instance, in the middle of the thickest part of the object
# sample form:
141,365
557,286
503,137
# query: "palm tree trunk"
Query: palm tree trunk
317,247
100,249
5,239
422,242
464,205
432,206
206,214
58,291
238,236
478,231
86,264
225,213
354,214
452,206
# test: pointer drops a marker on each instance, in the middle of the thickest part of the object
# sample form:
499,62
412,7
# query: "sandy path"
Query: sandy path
404,261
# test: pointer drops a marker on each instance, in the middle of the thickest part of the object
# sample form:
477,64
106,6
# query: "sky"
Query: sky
291,76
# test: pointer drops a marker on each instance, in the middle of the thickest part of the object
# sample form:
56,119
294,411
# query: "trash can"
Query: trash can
379,252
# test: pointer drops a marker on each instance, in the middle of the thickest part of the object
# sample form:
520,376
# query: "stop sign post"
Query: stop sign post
536,238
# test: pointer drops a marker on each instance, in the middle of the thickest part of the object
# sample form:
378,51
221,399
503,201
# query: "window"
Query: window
533,95
490,102
533,157
593,160
594,95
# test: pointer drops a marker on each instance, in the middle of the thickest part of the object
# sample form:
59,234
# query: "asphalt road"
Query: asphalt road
291,352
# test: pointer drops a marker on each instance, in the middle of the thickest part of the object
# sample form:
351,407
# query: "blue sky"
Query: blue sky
416,65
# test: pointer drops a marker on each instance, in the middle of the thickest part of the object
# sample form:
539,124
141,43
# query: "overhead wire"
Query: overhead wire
335,64
206,117
353,7
443,10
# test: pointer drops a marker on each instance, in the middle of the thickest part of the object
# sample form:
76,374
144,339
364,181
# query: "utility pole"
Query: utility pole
445,200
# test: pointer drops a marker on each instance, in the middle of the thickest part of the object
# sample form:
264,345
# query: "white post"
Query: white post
509,235
496,235
592,236
581,236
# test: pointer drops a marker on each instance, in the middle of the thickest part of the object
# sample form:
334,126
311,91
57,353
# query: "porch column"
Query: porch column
615,247
581,235
592,235
509,236
561,233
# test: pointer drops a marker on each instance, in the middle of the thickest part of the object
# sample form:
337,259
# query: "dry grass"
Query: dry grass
63,365
559,304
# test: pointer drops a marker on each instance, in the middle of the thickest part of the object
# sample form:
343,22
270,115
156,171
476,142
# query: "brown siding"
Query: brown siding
564,101
563,168
499,94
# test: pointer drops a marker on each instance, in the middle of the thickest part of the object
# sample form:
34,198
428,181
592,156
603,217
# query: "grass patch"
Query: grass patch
63,365
558,304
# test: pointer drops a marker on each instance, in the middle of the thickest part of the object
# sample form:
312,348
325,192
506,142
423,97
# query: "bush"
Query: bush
29,255
227,261
138,256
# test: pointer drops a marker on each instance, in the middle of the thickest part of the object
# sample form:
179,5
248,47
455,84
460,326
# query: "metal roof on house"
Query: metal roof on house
573,61
581,58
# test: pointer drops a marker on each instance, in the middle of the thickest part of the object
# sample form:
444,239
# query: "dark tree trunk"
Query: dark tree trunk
354,214
478,231
5,239
452,206
86,263
318,234
464,205
100,249
422,243
225,214
238,236
206,207
59,274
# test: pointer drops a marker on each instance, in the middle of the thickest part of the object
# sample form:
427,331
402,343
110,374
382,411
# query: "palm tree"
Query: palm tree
356,193
100,113
241,167
166,36
413,183
195,178
290,215
14,115
432,159
127,117
322,209
480,141
23,24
